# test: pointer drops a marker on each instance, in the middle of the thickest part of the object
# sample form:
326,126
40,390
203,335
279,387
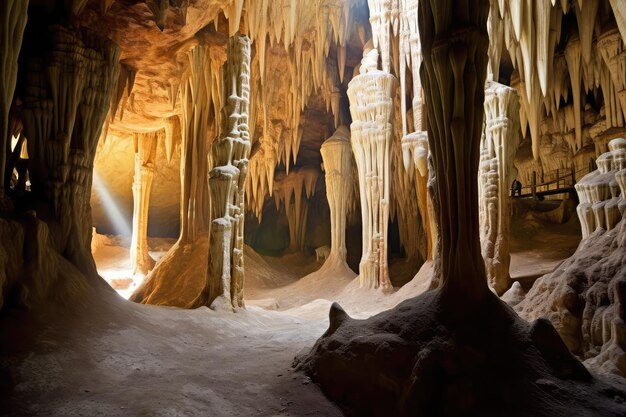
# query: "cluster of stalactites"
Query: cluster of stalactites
590,60
601,192
305,31
293,192
122,93
202,98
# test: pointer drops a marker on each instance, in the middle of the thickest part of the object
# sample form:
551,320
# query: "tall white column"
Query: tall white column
338,163
371,106
496,173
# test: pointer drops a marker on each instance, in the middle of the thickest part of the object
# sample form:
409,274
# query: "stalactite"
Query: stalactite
229,157
415,161
13,16
371,106
619,10
611,48
496,173
303,51
159,9
172,136
573,58
453,74
145,158
293,191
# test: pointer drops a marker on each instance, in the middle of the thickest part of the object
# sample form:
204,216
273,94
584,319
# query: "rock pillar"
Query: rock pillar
371,105
338,165
496,173
224,284
454,47
145,155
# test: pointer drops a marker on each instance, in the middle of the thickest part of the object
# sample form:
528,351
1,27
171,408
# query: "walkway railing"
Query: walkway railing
563,182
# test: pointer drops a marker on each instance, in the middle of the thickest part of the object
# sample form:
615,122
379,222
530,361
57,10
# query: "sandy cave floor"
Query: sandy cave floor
125,359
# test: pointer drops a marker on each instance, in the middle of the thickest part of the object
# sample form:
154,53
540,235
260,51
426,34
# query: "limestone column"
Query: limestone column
13,16
68,92
454,46
224,283
337,157
145,157
415,144
371,106
496,173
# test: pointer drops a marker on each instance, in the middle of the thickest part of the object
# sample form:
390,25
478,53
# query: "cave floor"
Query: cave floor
125,359
117,358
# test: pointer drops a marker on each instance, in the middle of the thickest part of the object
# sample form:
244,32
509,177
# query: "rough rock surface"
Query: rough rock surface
416,358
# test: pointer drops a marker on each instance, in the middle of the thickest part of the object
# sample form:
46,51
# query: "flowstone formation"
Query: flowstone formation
371,106
229,157
435,354
67,94
496,173
62,97
585,296
145,155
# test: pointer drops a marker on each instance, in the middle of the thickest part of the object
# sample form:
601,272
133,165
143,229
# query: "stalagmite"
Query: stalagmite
371,106
496,172
230,153
13,16
338,166
145,155
601,192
